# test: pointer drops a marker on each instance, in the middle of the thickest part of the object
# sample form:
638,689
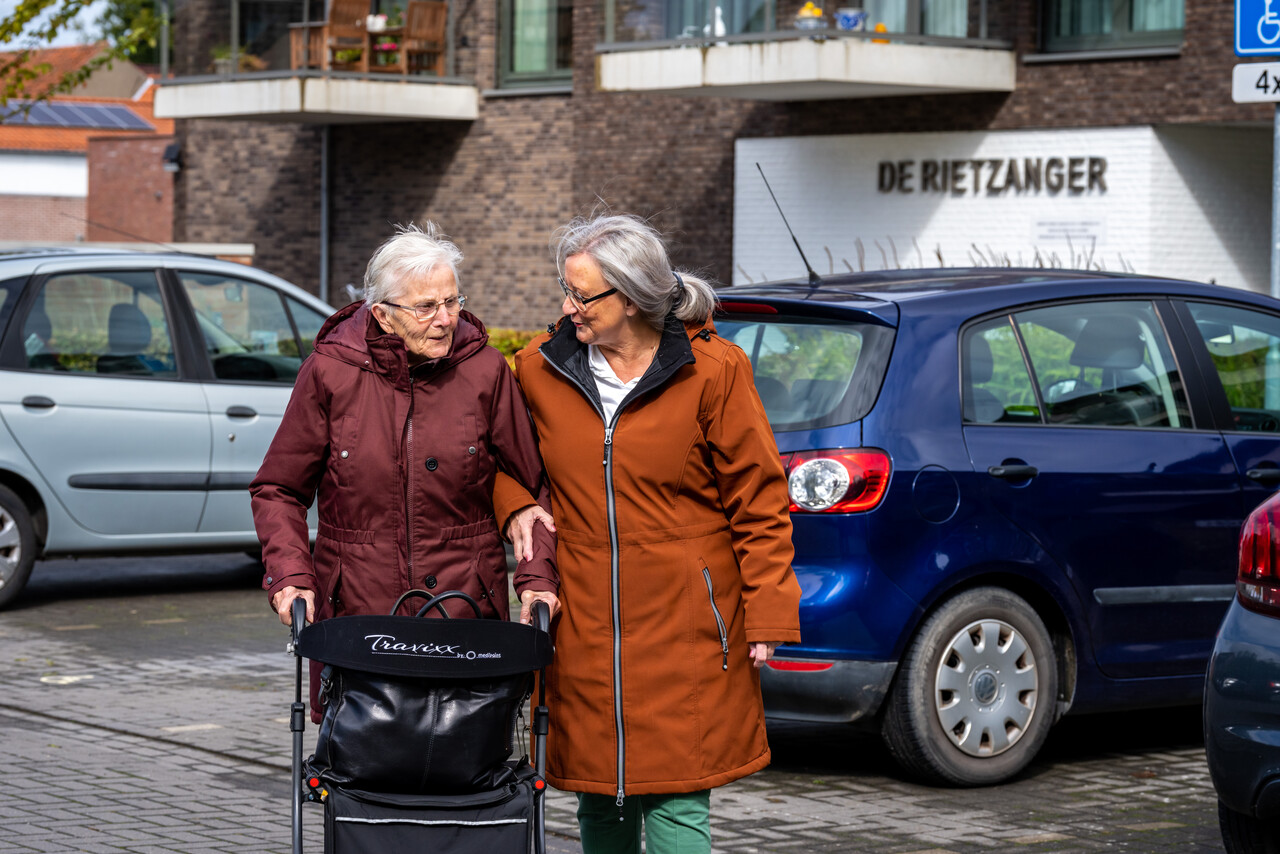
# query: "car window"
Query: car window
247,332
308,322
811,373
99,323
1104,363
996,386
1245,348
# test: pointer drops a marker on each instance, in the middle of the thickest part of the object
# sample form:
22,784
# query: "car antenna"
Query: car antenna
814,280
136,237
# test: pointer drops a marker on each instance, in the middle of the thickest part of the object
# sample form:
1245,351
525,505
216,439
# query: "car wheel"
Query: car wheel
974,696
1244,834
17,545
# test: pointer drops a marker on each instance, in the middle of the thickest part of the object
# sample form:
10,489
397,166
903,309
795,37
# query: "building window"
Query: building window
537,42
1101,24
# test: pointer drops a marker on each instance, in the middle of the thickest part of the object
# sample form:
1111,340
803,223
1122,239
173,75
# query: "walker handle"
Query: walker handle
542,616
299,618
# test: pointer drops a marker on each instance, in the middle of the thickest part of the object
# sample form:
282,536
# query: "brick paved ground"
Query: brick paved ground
156,722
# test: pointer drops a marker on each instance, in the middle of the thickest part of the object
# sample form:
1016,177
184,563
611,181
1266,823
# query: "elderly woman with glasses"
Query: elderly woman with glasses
674,542
397,426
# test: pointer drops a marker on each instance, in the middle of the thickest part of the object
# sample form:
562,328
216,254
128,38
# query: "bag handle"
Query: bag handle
436,601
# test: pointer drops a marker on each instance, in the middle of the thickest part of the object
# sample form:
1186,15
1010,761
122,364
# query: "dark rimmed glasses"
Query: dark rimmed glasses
427,310
579,301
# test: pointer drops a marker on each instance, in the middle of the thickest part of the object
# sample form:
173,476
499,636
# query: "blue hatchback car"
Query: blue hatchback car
1016,494
1242,694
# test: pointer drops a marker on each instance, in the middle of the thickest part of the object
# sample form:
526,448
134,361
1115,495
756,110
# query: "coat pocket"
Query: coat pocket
328,565
715,612
473,449
342,450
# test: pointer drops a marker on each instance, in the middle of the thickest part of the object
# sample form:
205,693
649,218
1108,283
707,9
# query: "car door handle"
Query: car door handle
1267,476
241,412
38,401
1013,472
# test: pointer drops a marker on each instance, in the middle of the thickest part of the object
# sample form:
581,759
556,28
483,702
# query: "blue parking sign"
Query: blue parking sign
1257,27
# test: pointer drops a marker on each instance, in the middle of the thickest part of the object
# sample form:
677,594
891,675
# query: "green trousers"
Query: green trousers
673,824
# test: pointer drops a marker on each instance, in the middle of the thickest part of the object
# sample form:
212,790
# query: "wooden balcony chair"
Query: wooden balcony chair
344,30
424,35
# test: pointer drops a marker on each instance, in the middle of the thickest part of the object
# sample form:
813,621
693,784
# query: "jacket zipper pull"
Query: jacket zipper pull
620,796
608,441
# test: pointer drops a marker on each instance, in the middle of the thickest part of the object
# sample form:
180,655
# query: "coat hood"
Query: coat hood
353,335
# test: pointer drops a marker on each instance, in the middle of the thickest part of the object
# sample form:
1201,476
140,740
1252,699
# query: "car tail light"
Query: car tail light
799,666
1258,579
837,481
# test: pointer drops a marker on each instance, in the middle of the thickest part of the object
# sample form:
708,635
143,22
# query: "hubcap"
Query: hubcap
986,688
10,547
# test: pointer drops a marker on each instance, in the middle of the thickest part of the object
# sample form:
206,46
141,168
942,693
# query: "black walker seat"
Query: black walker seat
412,753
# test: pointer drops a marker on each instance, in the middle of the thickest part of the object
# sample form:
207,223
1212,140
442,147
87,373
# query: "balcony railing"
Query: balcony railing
777,50
296,60
364,37
654,24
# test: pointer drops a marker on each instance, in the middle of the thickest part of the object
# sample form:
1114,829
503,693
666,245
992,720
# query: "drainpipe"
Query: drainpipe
164,40
449,25
324,211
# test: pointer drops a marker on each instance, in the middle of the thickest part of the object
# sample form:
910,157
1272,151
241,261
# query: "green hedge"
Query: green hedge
508,342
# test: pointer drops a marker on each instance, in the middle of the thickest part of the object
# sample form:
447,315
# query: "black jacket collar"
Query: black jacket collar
569,355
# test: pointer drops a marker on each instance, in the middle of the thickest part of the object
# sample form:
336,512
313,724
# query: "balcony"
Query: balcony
749,49
284,61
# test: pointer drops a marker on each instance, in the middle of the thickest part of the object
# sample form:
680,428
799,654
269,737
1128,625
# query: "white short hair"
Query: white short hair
412,251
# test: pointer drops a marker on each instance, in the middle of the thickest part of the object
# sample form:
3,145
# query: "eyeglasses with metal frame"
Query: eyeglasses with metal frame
427,310
579,301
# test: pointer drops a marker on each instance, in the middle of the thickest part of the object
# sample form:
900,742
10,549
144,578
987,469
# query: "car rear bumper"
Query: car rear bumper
840,692
1242,713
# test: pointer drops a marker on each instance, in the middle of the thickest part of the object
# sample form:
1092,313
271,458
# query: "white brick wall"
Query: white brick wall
1191,202
31,173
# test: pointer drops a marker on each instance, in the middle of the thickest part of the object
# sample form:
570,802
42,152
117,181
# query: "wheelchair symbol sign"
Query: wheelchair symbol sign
1257,27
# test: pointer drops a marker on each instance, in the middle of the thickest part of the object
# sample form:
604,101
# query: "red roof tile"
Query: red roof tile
60,60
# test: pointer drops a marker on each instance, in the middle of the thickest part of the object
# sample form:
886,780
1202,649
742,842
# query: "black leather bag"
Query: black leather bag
449,730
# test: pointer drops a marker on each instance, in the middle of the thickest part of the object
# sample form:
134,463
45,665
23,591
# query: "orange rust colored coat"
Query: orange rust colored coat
703,537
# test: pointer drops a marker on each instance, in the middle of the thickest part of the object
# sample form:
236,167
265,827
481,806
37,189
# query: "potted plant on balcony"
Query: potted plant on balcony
222,61
384,51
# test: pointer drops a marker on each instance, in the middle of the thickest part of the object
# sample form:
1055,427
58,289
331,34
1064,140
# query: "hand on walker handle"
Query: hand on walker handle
283,602
528,597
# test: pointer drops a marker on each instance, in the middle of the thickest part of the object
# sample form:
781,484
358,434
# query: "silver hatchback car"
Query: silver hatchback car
138,394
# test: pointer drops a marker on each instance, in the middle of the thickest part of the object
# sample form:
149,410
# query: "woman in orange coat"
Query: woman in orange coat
670,504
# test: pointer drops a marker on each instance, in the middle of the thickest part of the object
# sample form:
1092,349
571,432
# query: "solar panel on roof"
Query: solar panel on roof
69,114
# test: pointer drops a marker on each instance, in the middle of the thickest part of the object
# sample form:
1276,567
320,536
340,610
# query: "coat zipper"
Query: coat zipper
614,599
408,487
612,516
724,637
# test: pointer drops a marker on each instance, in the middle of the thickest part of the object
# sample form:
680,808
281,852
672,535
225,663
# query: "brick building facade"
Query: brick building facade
500,184
130,192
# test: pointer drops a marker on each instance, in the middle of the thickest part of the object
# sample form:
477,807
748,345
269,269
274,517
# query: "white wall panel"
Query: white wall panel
37,174
1187,202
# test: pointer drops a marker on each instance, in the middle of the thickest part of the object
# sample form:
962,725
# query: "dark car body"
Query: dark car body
1086,443
1242,694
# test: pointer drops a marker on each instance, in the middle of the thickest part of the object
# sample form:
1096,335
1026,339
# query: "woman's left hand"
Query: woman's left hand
519,530
761,652
528,597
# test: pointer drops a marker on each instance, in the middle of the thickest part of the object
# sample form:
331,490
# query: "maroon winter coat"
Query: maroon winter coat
403,465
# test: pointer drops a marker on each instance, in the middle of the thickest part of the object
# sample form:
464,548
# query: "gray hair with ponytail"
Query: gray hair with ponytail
633,258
